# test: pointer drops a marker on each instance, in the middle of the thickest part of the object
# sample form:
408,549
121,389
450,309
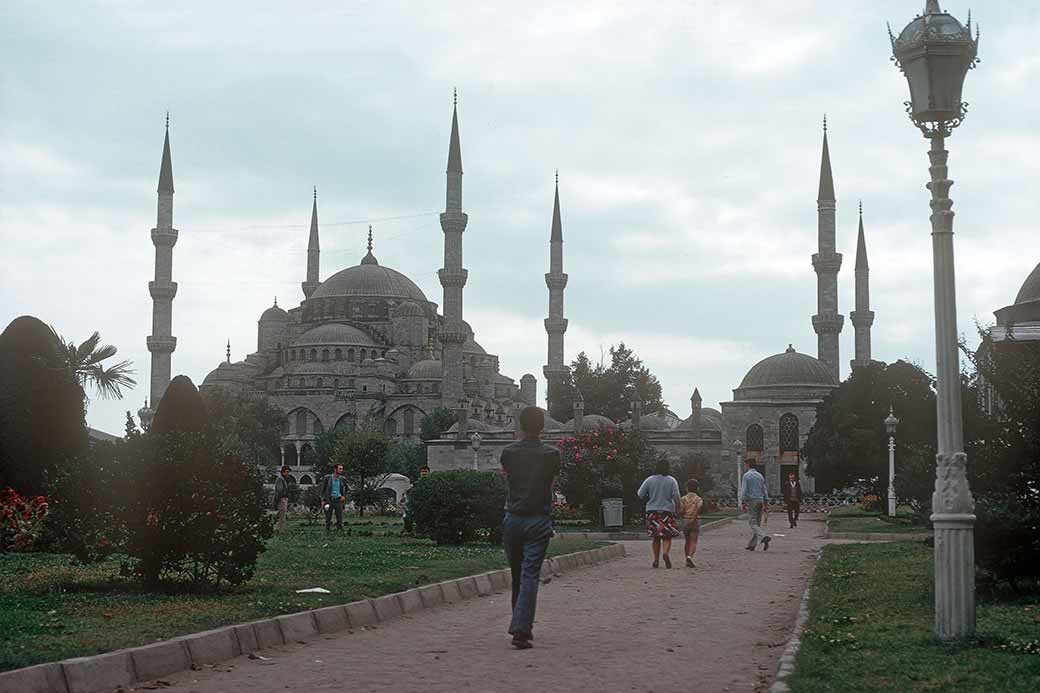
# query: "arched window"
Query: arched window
384,353
301,422
324,354
314,355
319,383
350,355
362,355
335,382
390,427
345,421
339,354
409,422
306,480
290,455
292,355
754,439
307,454
318,427
788,433
303,383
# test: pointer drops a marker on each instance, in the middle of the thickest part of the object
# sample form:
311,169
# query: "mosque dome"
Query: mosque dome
1026,307
590,422
334,333
369,280
1030,290
430,369
274,314
788,369
408,309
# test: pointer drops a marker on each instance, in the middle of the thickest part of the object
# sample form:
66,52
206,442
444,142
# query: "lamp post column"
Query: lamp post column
737,445
891,476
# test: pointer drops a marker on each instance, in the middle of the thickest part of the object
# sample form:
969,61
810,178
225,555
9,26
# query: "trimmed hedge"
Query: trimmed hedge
458,506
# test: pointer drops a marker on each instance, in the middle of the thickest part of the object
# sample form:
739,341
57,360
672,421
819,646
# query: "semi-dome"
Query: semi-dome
369,280
407,309
430,369
334,333
788,369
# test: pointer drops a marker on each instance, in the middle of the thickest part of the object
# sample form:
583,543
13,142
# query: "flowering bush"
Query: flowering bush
21,520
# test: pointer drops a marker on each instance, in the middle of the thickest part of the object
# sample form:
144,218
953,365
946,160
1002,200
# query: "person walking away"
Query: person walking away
333,496
690,507
530,467
660,491
753,500
281,496
793,498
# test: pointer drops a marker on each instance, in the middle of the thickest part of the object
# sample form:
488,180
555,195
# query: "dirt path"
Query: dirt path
620,626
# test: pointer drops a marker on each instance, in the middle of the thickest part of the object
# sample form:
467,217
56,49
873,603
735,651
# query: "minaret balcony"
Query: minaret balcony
828,323
556,325
454,222
452,277
556,281
826,264
862,318
161,345
453,332
162,291
555,373
164,237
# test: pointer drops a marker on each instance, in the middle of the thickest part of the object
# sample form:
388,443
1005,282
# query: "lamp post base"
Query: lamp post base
954,576
891,501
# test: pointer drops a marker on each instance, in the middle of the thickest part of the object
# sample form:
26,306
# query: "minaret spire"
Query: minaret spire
863,317
369,258
161,343
827,322
453,275
555,370
313,252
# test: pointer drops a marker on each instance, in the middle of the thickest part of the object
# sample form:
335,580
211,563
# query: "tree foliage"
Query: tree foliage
608,389
248,428
457,506
434,424
42,422
83,362
363,452
405,458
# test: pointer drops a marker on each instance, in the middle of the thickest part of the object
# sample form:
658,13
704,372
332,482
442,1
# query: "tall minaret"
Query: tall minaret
452,275
863,317
313,252
827,322
555,324
162,342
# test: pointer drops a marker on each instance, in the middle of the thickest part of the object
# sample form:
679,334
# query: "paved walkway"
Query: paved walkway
617,627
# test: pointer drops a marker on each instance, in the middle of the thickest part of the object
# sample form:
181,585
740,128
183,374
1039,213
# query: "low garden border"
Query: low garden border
148,662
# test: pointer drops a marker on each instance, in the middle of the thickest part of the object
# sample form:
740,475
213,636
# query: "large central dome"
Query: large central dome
370,280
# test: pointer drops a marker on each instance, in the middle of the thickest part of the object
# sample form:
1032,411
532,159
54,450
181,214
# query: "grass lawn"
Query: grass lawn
870,629
855,519
51,608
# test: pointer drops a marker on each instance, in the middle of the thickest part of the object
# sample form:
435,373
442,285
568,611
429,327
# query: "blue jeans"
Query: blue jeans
526,537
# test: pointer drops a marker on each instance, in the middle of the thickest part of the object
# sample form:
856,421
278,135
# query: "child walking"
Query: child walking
690,511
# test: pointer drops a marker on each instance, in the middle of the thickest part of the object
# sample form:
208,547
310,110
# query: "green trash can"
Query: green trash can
613,512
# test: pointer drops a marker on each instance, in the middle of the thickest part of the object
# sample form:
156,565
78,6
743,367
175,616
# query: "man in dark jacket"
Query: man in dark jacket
530,467
333,496
281,496
793,498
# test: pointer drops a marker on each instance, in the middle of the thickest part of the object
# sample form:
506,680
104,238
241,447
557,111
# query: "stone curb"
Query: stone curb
878,536
123,668
639,536
786,665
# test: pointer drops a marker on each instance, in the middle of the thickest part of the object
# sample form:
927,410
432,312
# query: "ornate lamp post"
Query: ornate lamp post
737,447
145,414
474,442
890,425
935,52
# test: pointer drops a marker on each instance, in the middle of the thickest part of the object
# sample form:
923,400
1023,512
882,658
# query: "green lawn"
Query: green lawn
855,519
51,608
870,629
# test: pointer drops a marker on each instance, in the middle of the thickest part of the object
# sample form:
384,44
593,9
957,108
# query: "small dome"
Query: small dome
334,333
430,369
591,422
471,426
274,314
788,369
407,309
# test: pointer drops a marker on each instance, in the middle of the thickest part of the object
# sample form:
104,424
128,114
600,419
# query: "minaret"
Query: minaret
555,325
695,413
162,342
313,252
863,317
827,322
453,275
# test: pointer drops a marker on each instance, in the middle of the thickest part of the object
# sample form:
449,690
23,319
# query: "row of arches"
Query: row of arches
303,422
337,354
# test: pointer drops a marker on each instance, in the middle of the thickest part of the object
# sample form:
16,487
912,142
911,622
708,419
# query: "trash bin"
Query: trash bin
613,512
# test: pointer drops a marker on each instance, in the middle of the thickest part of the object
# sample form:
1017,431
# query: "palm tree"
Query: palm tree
83,363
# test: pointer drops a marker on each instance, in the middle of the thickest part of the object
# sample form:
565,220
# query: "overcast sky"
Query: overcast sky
687,135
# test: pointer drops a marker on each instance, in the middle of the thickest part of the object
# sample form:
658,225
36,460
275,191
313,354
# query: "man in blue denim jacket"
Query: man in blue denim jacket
530,466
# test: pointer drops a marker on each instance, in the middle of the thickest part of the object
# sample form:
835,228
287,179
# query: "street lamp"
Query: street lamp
145,414
890,425
935,52
474,442
737,447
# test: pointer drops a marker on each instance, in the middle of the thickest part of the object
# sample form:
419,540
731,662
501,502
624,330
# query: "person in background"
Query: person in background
793,498
530,467
333,497
281,496
690,507
754,500
660,492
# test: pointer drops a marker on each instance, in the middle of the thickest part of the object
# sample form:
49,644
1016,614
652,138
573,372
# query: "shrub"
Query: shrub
21,520
1007,545
915,482
458,506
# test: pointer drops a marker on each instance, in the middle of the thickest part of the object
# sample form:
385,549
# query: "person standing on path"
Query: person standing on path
530,467
690,507
753,500
281,496
660,491
793,498
333,496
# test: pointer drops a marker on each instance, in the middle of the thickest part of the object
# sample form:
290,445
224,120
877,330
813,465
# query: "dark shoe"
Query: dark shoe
522,643
667,561
750,548
765,543
654,564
